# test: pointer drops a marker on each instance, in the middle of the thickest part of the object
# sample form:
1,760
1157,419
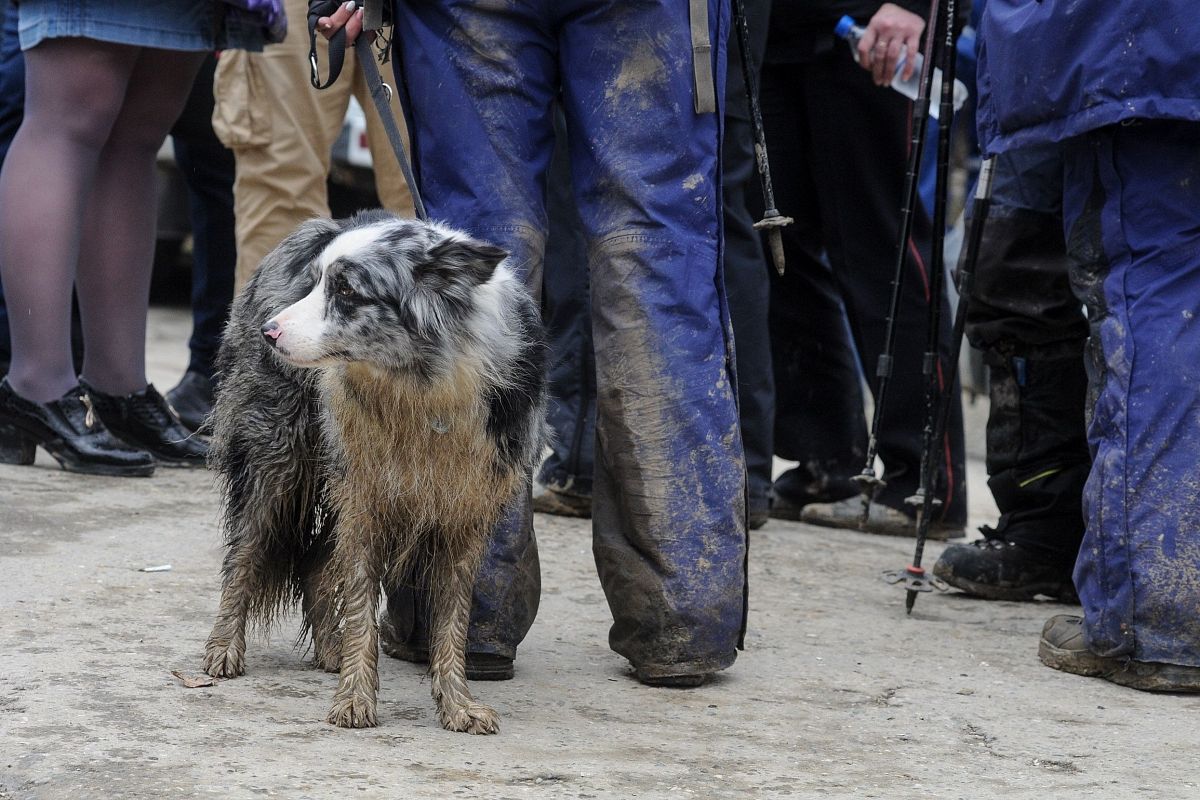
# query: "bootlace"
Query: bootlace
152,410
992,538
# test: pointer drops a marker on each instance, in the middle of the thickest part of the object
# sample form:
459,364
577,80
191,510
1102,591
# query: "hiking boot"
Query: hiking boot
783,508
803,486
192,399
882,520
998,570
480,666
562,504
1062,647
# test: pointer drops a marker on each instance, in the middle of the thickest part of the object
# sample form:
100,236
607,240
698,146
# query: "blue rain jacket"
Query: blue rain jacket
1053,69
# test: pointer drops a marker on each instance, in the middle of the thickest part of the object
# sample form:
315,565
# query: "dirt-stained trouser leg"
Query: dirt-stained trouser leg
459,59
669,511
1129,200
451,588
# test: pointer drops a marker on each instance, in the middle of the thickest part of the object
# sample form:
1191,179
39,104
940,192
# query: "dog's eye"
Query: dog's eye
342,287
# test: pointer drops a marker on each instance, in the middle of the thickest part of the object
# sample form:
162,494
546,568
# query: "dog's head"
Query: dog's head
389,292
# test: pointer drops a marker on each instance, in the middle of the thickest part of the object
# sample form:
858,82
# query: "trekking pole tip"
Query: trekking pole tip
914,579
771,222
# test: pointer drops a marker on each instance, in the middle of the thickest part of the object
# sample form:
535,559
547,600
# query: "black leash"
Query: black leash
381,93
337,43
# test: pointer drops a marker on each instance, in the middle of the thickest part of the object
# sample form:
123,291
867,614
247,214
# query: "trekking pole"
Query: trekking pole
868,482
938,386
913,577
772,220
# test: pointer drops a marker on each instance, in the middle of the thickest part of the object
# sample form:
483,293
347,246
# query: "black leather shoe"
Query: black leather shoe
145,420
192,399
69,430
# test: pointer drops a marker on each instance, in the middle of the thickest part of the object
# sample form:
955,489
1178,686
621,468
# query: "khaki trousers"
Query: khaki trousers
281,131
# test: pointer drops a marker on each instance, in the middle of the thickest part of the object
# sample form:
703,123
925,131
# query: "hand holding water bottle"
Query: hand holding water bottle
894,33
888,49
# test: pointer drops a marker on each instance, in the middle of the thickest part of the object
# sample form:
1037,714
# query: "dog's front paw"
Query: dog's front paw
224,660
471,718
352,711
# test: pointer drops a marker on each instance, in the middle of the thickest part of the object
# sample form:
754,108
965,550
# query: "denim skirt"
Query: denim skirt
164,24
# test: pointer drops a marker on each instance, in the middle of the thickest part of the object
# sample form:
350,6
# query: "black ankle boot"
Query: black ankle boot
144,419
192,399
69,430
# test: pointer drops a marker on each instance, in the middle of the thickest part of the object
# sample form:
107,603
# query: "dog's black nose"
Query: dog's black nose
271,331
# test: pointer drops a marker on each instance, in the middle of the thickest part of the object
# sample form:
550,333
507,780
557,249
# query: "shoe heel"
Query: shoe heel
16,447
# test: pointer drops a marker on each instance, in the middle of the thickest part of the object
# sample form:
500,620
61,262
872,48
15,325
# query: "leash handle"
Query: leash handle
337,44
381,93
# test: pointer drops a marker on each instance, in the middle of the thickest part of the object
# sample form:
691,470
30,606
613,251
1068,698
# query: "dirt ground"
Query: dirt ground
838,693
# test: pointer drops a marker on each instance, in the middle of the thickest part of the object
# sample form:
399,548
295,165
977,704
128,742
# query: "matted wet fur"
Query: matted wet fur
382,398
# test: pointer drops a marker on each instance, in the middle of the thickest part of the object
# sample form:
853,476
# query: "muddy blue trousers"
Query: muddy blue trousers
572,411
669,507
1131,198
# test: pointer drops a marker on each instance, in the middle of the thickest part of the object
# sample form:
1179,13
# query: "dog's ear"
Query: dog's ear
453,260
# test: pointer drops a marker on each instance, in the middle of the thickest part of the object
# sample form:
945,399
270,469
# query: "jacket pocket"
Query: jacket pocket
238,120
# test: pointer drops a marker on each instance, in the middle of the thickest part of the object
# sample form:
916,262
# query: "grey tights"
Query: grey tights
77,207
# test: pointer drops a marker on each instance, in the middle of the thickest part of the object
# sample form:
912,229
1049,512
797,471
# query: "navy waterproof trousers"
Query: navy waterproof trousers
1130,198
669,498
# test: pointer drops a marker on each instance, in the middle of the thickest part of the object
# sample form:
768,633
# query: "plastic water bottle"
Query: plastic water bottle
846,29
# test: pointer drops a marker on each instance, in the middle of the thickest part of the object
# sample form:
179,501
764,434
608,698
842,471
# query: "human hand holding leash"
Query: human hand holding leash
348,16
891,31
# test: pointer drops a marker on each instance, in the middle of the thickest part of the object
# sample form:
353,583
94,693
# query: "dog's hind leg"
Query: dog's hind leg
359,568
224,654
451,585
319,601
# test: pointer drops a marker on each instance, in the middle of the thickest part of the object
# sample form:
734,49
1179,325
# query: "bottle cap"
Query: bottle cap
843,27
